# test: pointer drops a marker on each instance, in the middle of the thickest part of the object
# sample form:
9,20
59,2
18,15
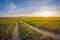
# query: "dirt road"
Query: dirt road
15,35
49,34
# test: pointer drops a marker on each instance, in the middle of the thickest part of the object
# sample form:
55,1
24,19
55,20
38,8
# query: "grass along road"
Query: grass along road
49,34
15,35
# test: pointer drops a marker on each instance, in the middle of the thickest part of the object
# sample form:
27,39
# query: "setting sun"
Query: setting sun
45,13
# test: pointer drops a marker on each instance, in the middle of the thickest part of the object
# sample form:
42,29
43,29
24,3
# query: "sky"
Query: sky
28,7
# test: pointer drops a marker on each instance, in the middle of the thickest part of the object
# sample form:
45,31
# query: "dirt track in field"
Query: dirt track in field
49,34
15,35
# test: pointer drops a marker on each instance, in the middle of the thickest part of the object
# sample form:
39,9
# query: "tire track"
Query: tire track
15,34
49,34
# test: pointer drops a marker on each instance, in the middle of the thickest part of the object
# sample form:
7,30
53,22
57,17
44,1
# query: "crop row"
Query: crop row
27,33
49,24
6,28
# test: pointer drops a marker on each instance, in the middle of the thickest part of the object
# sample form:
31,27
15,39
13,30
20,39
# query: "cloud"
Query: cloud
12,6
30,7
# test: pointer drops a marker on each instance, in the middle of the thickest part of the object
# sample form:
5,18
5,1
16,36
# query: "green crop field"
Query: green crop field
29,19
8,26
50,24
27,33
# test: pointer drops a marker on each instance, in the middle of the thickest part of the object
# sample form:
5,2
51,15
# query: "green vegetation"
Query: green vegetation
27,33
7,20
50,24
6,27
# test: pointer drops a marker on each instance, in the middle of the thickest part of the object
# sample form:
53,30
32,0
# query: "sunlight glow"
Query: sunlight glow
45,13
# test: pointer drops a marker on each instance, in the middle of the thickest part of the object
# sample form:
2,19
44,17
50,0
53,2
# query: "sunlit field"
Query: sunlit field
26,27
47,23
29,19
27,33
7,25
